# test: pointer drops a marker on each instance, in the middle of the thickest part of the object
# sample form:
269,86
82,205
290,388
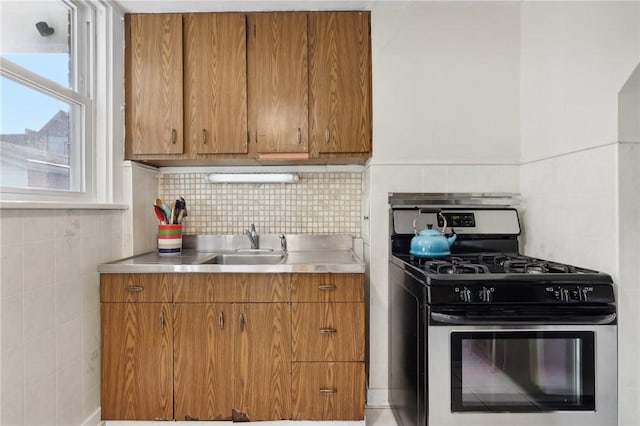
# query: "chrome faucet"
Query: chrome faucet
283,243
253,237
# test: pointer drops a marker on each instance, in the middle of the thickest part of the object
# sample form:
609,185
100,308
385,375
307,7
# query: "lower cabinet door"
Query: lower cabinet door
328,390
203,361
136,361
262,363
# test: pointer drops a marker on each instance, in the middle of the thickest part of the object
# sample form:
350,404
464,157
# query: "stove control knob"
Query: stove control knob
564,295
575,294
465,295
486,294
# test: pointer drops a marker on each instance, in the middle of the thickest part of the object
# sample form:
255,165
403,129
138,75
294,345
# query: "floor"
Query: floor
374,417
379,417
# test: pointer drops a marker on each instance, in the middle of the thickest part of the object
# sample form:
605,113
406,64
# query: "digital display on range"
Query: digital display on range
458,220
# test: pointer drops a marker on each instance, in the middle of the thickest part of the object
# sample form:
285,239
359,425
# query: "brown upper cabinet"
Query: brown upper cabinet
278,81
207,107
259,86
215,83
153,84
339,83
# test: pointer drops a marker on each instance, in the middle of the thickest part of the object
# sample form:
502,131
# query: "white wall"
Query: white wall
51,313
446,119
141,188
576,57
445,82
629,288
49,286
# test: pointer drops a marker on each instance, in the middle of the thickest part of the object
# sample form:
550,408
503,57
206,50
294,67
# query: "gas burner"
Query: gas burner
534,266
500,259
453,265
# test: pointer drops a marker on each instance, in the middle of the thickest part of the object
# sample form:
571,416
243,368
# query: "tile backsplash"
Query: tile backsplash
319,203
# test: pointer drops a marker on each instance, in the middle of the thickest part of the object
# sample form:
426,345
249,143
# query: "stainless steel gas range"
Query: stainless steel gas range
488,336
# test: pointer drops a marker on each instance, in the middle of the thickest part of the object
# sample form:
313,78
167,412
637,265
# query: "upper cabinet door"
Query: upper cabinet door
215,83
340,82
154,84
278,81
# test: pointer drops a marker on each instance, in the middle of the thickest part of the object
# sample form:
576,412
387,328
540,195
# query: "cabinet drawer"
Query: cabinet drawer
135,288
328,390
327,288
231,288
327,331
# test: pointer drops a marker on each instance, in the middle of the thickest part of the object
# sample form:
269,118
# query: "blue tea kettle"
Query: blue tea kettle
431,242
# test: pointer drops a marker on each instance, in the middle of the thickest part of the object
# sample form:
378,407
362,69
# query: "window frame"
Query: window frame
83,52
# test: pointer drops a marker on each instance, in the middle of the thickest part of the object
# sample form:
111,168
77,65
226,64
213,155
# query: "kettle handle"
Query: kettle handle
429,210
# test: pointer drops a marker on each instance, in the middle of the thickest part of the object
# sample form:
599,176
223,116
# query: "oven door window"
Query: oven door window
528,371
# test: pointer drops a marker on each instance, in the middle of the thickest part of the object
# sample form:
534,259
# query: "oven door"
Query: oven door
526,375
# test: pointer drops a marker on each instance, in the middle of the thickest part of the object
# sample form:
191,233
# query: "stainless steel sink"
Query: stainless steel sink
261,258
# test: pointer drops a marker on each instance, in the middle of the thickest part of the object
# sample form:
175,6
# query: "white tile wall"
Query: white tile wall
629,283
49,298
320,203
584,208
569,208
576,57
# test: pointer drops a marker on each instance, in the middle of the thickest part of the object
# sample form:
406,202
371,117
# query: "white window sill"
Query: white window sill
56,205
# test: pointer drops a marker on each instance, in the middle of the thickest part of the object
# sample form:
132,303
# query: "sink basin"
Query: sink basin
268,258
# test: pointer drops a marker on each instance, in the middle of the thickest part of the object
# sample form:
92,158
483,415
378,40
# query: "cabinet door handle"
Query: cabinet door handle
161,320
221,320
327,287
135,288
204,136
328,391
327,330
326,135
299,136
241,322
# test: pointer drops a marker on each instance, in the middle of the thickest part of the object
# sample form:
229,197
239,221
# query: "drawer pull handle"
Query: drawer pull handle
327,330
241,322
327,287
135,288
221,320
161,320
328,391
204,136
174,136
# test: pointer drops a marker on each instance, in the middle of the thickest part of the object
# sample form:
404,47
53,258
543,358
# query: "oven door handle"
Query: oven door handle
480,320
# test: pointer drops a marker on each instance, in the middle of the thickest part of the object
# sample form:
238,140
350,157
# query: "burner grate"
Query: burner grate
452,265
534,266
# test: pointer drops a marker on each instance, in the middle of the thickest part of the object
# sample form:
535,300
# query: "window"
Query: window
46,81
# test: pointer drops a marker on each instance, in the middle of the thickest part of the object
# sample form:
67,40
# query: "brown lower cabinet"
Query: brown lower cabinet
220,368
137,361
203,357
328,390
221,347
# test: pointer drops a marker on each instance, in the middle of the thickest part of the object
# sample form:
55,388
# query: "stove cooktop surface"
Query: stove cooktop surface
491,263
507,278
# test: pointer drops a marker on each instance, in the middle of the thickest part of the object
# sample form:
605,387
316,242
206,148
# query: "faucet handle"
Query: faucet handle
283,242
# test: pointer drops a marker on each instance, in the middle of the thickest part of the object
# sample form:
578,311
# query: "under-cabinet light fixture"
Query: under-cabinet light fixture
253,178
